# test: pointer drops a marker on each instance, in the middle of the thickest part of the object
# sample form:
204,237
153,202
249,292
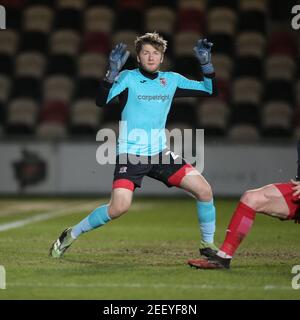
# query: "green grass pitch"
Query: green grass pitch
142,255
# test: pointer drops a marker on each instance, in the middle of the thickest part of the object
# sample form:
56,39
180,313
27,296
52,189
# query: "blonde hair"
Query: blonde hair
151,38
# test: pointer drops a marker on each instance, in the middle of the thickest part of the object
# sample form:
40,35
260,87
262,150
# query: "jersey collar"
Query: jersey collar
147,74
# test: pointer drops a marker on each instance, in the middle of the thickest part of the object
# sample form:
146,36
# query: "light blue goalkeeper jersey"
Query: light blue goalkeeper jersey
143,119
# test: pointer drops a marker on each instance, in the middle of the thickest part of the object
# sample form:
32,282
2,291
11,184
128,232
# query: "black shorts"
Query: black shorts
165,167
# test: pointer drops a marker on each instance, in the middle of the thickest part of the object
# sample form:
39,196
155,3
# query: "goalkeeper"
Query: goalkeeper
145,95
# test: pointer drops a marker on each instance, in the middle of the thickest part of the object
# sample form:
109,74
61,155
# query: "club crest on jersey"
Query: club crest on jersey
163,81
123,170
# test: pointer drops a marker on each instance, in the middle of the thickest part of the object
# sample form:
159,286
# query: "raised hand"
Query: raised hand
117,59
203,53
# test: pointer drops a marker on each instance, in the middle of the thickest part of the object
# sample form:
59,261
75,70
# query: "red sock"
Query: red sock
239,226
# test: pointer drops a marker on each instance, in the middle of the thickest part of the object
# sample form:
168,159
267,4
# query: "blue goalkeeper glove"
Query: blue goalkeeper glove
117,59
203,54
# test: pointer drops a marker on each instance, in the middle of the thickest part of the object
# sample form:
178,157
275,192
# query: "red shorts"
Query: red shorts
292,202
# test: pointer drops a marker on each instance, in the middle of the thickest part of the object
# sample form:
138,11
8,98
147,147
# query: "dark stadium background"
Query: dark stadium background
54,52
52,55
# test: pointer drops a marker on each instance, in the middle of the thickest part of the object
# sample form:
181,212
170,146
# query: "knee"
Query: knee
119,208
205,193
253,199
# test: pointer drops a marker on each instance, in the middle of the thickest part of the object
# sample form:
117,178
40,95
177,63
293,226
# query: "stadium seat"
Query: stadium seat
164,3
131,4
107,3
191,20
223,43
54,111
51,131
71,4
279,90
222,3
68,19
250,43
280,11
245,113
257,5
296,116
222,20
92,65
247,90
189,102
3,111
189,67
167,64
9,41
61,64
30,64
96,42
13,18
21,116
86,88
99,19
161,19
85,117
298,45
252,20
28,87
280,66
49,3
5,87
131,63
170,43
248,66
282,42
183,109
277,119
297,133
6,64
129,19
38,18
65,42
224,87
58,87
223,66
243,133
34,41
297,92
192,4
18,4
184,42
125,36
212,116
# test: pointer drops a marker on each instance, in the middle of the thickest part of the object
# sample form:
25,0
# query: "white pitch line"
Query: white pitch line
44,216
155,286
54,213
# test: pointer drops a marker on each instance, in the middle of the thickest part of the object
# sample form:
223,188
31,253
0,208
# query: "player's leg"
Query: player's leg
268,200
120,202
127,177
173,170
196,184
